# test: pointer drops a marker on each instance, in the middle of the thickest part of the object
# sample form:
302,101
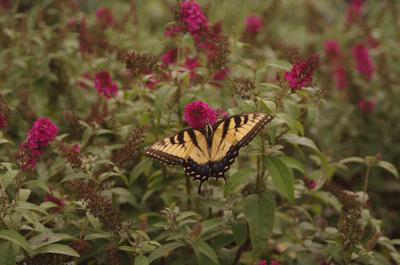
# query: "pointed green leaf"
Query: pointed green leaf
8,253
294,164
57,249
282,177
164,250
16,238
388,167
352,159
201,247
299,140
141,260
237,179
259,210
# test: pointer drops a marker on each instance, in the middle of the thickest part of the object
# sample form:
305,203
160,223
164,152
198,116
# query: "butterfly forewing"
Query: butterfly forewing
236,131
176,149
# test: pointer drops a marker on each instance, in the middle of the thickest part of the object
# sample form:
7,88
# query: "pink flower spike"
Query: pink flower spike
3,121
364,63
274,262
192,17
172,30
198,113
104,85
263,262
301,74
39,136
332,49
104,16
253,24
366,106
354,11
60,202
169,57
341,78
221,74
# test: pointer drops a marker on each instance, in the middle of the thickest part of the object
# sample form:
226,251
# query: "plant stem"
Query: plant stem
366,177
189,192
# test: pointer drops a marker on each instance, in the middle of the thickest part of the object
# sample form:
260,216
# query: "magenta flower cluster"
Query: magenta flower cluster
193,17
104,16
253,24
104,84
366,106
301,74
354,11
198,113
40,135
364,63
3,121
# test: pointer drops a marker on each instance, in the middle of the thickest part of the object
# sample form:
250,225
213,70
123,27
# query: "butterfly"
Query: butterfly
209,152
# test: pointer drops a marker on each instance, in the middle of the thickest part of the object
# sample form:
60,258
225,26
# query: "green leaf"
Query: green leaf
8,253
279,64
259,210
237,179
8,177
388,167
141,260
57,249
286,118
282,177
138,169
294,163
239,232
42,240
268,106
164,250
37,183
352,159
16,238
299,140
201,247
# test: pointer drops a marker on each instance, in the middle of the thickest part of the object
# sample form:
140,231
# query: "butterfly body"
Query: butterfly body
209,152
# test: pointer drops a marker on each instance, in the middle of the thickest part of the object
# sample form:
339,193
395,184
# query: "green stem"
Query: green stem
366,177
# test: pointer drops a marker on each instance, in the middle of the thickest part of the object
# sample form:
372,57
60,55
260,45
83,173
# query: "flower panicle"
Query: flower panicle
98,205
198,113
105,85
4,113
364,63
244,87
253,24
125,153
301,74
72,154
139,63
40,135
350,226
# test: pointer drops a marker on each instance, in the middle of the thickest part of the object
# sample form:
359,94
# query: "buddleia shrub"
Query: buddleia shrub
86,87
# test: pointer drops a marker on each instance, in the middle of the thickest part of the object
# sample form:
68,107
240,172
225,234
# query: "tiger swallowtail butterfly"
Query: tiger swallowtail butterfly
209,152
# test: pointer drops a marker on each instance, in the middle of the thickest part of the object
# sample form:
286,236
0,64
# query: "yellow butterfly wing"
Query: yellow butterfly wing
233,133
177,149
